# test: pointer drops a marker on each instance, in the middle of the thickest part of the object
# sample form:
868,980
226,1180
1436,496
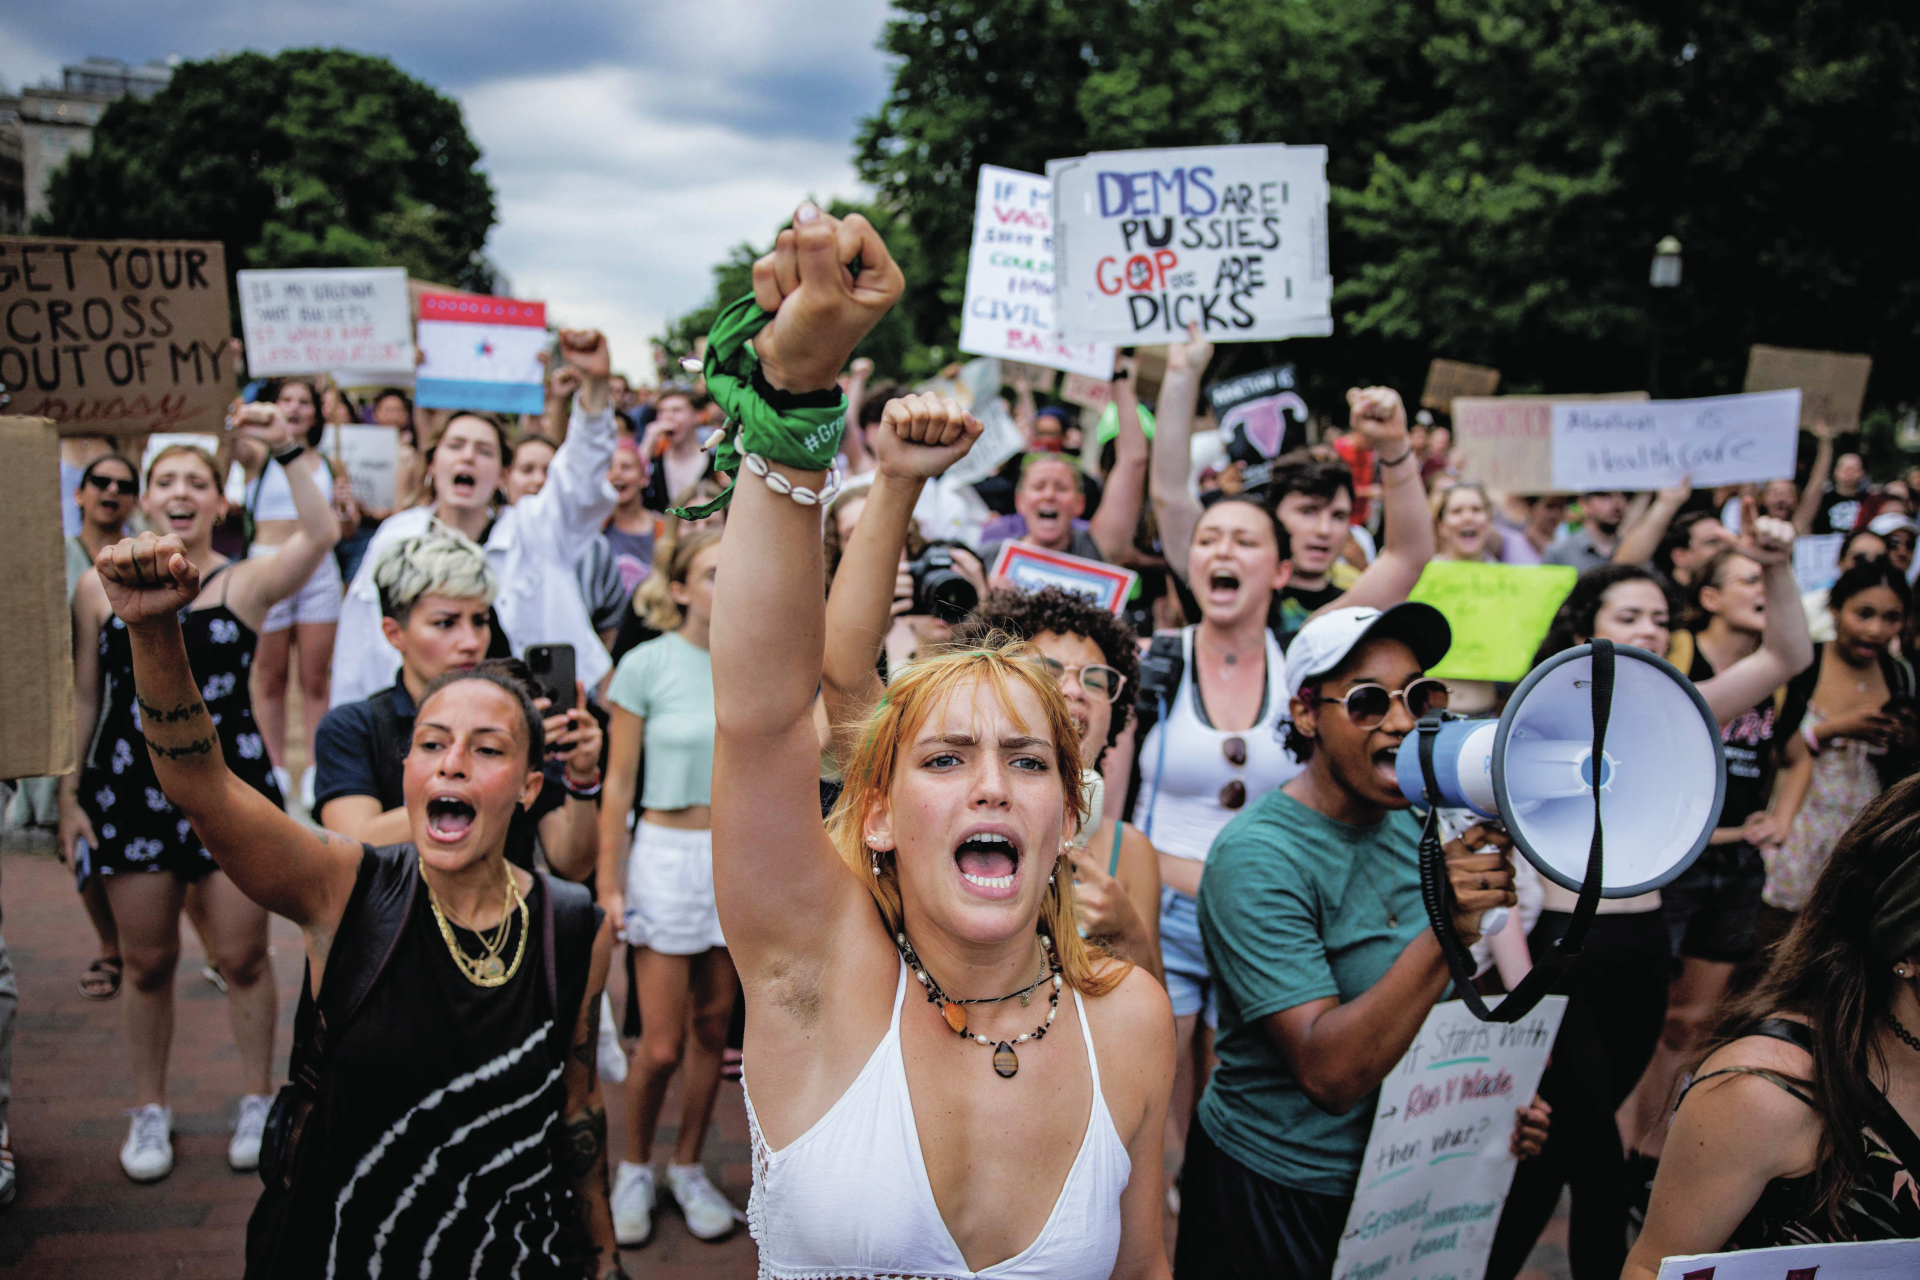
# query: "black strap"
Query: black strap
1437,893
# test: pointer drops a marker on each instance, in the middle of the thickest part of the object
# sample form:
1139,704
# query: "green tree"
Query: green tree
307,158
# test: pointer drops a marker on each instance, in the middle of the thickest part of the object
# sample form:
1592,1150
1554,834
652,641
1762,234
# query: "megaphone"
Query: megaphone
1661,775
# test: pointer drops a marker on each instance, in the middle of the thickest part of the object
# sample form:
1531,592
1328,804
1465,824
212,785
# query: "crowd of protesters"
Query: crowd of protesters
580,700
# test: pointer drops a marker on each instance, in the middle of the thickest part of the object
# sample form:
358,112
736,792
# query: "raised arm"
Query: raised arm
1379,416
780,886
303,875
1119,514
576,500
918,437
1641,538
1809,508
1785,647
852,446
1175,509
258,585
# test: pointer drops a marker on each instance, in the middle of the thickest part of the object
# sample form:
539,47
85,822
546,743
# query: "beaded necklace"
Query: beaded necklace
1006,1063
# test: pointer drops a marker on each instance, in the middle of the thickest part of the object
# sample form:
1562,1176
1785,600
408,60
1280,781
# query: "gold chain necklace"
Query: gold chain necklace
487,970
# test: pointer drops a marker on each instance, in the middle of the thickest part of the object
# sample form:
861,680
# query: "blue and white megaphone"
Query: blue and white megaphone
1661,772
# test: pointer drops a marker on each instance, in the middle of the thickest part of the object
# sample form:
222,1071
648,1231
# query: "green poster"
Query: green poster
1499,614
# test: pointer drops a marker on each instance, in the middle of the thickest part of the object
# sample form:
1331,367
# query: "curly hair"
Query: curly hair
1027,614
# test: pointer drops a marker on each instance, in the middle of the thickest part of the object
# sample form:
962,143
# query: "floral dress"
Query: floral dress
139,829
1844,783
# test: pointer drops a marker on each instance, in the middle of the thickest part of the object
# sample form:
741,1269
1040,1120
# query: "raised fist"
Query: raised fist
919,437
821,307
147,577
586,350
1378,415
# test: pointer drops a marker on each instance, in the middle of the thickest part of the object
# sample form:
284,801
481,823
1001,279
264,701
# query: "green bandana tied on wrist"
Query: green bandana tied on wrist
804,438
1894,932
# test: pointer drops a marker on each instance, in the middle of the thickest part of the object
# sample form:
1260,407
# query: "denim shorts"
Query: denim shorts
1189,983
1711,909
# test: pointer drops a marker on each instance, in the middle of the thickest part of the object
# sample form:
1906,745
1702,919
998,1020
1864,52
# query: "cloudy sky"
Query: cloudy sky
630,145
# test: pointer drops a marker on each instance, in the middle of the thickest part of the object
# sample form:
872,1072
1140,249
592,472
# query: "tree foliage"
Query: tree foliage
307,158
1500,169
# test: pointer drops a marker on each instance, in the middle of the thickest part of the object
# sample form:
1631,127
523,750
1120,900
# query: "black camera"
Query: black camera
1161,667
940,589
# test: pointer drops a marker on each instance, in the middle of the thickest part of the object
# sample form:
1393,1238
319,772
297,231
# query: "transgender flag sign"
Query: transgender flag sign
481,353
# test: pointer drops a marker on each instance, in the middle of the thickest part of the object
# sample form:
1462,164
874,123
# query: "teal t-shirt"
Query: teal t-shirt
1295,907
668,682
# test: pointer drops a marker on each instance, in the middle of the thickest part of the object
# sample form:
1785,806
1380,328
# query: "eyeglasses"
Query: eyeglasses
1094,677
1234,794
1367,705
126,488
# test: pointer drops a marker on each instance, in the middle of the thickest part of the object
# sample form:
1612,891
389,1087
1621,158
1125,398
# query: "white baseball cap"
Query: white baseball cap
1892,522
1324,643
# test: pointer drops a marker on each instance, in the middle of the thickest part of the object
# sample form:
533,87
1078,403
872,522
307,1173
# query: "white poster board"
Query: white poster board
1654,443
1009,308
1855,1260
351,319
371,456
1233,239
1816,560
1438,1163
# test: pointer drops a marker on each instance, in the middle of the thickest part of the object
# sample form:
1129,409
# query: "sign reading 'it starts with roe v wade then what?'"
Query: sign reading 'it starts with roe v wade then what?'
1232,239
1439,1161
1650,445
1009,308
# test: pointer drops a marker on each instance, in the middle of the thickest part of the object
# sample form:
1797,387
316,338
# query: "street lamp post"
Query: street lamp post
1664,277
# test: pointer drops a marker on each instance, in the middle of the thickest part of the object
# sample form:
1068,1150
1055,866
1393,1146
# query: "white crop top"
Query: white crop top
1186,813
850,1199
268,493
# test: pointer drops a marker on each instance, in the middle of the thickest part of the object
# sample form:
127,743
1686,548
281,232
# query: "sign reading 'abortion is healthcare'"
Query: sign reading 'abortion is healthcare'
1232,239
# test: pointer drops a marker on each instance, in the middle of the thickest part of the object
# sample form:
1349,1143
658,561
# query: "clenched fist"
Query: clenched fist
822,306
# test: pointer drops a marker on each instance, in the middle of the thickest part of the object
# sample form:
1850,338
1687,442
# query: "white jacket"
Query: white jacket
531,547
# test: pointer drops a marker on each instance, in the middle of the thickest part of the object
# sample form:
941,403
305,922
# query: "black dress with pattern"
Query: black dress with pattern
139,829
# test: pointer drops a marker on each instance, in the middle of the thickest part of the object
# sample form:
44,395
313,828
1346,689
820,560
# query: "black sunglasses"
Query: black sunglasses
1367,705
126,488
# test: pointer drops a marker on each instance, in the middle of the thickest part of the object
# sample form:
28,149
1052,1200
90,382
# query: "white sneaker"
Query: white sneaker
243,1153
306,789
613,1058
284,781
633,1199
710,1215
147,1155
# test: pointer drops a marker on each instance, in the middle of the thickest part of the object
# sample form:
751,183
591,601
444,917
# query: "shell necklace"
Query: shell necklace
1006,1063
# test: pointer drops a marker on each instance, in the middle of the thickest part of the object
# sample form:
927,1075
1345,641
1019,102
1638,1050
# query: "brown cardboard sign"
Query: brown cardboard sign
1088,393
1447,380
1040,378
1832,384
1506,442
116,337
36,644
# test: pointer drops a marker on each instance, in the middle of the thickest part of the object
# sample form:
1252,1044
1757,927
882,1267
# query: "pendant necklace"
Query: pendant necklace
487,969
1006,1063
1393,917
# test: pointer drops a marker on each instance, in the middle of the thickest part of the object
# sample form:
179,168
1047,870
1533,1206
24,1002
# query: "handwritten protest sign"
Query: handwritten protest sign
1832,385
1031,568
1260,415
347,318
1854,1260
1716,440
1506,442
1816,560
481,353
1447,380
1499,613
116,337
1438,1166
1088,393
1233,239
371,459
1039,377
1009,307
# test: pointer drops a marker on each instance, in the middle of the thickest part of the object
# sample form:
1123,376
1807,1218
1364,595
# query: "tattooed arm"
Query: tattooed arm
583,1131
300,874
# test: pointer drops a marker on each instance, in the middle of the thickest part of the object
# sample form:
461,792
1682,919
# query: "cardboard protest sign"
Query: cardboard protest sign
1853,1260
1039,377
1088,393
370,457
1447,380
36,645
481,353
1260,415
1714,440
1499,613
1505,442
1233,239
1031,568
1010,272
1832,385
352,319
116,337
1438,1167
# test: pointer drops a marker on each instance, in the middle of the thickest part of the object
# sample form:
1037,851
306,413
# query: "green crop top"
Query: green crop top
668,682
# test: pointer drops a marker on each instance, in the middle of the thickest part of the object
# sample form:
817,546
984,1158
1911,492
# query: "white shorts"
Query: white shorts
670,892
317,600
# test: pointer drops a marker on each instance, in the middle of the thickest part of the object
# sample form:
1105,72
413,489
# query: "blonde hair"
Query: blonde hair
213,466
442,561
999,663
672,562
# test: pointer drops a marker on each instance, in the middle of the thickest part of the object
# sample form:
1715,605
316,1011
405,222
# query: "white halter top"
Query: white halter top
849,1199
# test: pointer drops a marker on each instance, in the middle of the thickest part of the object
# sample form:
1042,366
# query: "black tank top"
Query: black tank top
432,1141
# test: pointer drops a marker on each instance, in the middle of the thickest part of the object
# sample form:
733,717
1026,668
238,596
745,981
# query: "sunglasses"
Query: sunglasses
126,488
1094,677
1234,794
1367,705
